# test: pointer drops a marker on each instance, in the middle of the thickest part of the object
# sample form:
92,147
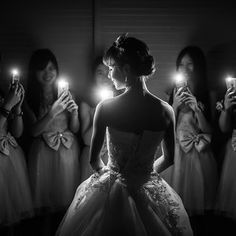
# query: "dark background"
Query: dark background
78,31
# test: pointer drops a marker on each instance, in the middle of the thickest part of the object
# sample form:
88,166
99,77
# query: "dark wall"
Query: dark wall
64,28
74,30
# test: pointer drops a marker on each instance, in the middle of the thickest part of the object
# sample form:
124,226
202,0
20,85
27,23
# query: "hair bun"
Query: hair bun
147,66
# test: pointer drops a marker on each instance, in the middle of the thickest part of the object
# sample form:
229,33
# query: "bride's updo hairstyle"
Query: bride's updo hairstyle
131,51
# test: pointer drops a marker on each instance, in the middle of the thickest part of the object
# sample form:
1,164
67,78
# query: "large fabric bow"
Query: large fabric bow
189,140
5,141
233,142
54,139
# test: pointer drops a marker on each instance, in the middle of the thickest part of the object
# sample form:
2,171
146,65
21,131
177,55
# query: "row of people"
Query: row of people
53,157
194,174
48,171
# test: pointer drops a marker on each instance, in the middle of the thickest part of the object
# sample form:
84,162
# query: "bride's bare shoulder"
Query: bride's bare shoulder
163,108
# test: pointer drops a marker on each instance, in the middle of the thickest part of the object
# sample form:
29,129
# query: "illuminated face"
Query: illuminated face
116,75
101,75
186,67
48,75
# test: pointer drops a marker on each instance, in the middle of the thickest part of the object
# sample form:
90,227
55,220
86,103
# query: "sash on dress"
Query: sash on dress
5,141
55,139
188,140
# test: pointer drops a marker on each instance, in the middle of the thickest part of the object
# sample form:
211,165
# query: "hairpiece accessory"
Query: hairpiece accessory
120,41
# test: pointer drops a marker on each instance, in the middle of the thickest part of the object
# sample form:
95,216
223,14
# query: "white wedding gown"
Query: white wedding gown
128,199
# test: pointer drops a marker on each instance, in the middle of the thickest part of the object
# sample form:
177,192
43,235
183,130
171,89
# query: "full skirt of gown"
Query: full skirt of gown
107,205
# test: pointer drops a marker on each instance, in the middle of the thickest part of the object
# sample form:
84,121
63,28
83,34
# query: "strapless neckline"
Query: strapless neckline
134,133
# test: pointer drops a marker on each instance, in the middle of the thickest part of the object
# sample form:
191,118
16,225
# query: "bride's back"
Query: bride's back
136,111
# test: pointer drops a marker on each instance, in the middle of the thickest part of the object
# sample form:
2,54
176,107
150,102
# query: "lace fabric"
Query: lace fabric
127,197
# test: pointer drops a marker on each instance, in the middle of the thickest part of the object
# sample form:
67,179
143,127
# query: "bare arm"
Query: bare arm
225,120
168,146
17,125
3,119
13,97
72,107
99,129
74,121
191,100
204,125
86,122
178,98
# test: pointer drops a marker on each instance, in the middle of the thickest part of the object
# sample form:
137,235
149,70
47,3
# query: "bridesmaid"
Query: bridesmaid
54,153
227,187
87,113
15,195
194,173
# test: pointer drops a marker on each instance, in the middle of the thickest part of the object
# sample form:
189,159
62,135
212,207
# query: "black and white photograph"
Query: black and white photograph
118,118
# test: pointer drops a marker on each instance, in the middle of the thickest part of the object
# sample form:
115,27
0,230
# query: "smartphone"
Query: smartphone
180,80
15,79
62,86
230,82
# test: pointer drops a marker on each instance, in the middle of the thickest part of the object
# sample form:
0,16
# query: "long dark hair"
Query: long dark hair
199,75
38,61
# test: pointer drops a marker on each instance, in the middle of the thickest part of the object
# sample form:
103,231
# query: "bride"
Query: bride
126,197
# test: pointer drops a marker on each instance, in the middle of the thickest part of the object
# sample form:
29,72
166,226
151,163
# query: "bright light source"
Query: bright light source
63,85
15,72
230,82
180,80
15,76
105,93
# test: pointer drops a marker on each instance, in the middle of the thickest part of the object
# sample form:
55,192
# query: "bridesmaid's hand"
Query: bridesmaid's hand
13,97
178,97
22,96
60,104
190,100
230,99
72,107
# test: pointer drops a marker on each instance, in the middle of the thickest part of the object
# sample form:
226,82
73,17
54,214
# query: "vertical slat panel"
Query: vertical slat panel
167,26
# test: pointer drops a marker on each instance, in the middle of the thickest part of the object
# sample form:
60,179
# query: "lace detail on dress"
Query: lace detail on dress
127,187
168,207
101,183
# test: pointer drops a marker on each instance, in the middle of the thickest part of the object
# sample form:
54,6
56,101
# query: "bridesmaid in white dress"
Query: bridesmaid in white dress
227,187
15,194
54,153
194,174
125,197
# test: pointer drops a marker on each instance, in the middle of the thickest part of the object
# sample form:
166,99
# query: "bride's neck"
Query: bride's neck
138,85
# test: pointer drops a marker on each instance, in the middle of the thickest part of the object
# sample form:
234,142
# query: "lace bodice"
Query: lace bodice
132,154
